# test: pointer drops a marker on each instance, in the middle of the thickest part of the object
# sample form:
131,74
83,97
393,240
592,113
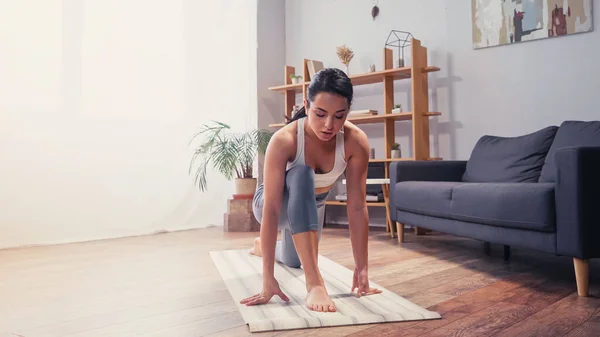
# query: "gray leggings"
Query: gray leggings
299,211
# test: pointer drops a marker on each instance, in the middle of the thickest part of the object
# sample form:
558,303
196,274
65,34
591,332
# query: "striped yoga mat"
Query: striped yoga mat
242,274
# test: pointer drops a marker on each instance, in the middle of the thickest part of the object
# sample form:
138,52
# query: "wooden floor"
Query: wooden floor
167,285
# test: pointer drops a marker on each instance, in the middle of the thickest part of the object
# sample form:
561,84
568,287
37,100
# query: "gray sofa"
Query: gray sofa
533,191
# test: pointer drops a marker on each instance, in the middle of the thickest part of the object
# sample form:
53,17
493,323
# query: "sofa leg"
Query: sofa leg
506,252
487,248
420,231
582,276
400,230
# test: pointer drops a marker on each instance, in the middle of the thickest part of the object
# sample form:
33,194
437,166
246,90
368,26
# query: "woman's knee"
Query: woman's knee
301,177
303,171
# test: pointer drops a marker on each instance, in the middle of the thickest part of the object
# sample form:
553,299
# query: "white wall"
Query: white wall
508,90
270,64
98,100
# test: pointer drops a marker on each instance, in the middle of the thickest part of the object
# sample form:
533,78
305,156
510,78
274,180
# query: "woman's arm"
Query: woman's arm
356,180
276,156
358,216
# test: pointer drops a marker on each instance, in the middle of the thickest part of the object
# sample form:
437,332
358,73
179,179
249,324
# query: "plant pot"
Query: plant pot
395,153
295,80
245,186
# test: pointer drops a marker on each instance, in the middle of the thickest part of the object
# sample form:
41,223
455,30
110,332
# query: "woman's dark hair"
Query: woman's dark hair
330,80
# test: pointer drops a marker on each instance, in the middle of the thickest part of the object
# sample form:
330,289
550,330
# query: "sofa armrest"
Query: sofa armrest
577,216
423,170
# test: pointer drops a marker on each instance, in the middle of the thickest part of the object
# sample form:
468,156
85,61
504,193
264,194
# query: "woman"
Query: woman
303,160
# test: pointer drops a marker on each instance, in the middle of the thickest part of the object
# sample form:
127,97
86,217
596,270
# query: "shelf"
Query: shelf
379,76
370,119
400,116
373,181
343,203
389,160
362,79
289,87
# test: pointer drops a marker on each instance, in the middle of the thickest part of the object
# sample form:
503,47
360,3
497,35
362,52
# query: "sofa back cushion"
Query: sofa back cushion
509,159
570,133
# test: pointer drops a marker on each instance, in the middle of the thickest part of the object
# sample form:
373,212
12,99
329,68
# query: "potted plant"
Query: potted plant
396,150
229,153
295,79
397,108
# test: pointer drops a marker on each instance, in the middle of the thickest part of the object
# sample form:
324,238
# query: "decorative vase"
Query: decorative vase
295,80
347,70
396,153
245,186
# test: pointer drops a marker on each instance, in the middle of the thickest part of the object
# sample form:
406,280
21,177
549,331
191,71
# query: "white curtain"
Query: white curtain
98,100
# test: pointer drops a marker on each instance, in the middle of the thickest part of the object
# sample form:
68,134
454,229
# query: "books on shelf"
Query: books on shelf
358,113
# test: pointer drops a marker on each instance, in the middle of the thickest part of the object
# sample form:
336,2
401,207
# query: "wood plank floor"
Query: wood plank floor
167,285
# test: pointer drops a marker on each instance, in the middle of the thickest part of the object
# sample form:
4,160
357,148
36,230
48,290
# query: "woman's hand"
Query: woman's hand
270,288
360,281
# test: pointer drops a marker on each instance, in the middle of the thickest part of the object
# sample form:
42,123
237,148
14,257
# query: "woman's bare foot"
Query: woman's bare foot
318,300
256,249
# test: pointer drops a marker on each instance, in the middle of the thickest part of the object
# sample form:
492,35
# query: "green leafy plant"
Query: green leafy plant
292,76
229,153
397,106
396,146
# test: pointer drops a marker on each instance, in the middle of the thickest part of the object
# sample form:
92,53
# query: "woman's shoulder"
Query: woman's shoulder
355,139
354,135
285,137
287,131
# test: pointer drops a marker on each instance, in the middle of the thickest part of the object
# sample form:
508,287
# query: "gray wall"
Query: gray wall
508,90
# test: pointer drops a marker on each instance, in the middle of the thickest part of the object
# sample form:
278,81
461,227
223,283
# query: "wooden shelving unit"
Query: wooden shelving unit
417,73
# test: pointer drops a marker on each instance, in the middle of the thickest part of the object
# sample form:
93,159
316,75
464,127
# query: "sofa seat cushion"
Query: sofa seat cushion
425,197
515,205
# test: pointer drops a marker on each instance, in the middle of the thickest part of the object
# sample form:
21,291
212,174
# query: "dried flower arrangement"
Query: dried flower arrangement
345,55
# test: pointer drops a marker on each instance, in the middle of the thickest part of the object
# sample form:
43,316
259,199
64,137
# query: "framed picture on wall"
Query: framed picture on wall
500,22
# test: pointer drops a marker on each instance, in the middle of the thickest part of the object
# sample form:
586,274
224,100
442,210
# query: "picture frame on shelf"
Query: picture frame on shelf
313,68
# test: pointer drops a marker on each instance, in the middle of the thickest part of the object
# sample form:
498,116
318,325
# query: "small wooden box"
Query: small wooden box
239,216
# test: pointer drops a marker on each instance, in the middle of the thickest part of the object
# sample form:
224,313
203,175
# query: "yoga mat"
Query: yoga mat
242,274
